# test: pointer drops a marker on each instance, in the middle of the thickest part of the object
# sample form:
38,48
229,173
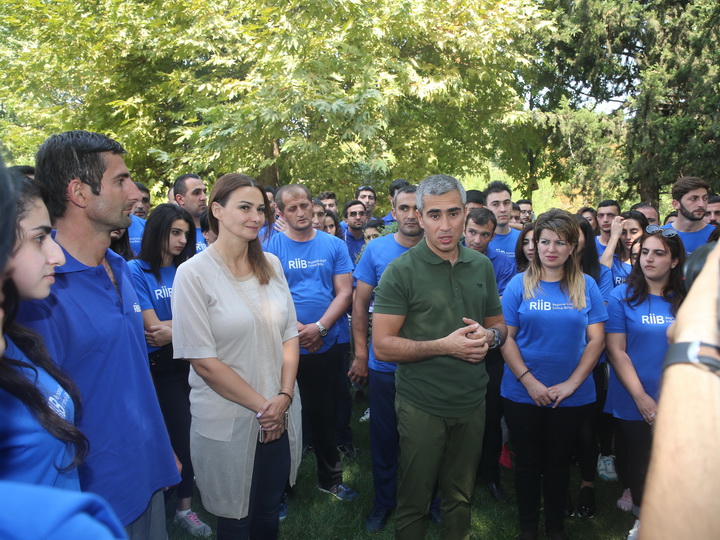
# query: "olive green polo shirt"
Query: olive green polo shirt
434,296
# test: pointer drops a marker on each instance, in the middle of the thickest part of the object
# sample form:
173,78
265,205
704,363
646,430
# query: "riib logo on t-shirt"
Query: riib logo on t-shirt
163,292
656,319
136,308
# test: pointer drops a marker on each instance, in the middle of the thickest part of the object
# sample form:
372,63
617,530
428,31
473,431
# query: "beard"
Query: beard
688,215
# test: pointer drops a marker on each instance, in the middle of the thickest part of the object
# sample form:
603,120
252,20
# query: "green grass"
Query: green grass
314,515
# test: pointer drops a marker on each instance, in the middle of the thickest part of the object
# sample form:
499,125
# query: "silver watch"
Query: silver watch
322,329
496,338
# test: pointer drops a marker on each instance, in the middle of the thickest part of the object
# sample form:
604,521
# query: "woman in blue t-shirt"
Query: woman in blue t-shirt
640,313
39,442
525,248
625,229
167,242
555,316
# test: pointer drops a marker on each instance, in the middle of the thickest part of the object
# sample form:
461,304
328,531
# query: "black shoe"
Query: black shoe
586,502
377,519
435,515
497,492
569,510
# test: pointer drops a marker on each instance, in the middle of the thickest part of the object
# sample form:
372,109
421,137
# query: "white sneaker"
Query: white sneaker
634,533
191,523
366,416
606,468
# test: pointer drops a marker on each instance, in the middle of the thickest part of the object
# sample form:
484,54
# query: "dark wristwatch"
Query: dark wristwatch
496,338
322,329
689,352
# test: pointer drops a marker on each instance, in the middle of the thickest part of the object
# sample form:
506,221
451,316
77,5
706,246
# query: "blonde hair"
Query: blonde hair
565,226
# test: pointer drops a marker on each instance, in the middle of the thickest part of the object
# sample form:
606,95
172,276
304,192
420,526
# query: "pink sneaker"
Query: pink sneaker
625,502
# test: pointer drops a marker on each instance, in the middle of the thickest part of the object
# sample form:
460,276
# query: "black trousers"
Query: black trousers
492,441
542,439
173,393
637,443
270,473
317,381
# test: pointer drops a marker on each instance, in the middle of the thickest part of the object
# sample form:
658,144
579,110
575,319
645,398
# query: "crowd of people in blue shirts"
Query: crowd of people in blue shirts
109,397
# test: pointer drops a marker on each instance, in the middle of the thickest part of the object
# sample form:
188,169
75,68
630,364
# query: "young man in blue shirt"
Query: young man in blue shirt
191,194
93,329
498,199
690,196
383,422
319,273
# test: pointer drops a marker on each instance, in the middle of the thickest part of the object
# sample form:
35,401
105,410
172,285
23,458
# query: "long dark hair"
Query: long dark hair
589,262
674,292
121,245
220,194
641,219
521,261
12,378
156,237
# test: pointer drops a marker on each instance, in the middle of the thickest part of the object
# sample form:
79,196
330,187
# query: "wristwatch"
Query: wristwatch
496,338
321,328
690,353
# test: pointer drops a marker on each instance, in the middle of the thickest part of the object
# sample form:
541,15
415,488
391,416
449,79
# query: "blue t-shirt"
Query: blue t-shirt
693,240
600,247
645,328
551,336
354,245
135,233
200,243
505,243
377,255
503,266
605,283
388,218
45,512
151,293
309,268
28,452
95,334
620,271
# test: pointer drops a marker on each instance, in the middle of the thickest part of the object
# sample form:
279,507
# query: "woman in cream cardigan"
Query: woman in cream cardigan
234,320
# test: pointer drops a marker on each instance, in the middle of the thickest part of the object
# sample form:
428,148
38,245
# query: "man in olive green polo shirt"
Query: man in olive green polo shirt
437,312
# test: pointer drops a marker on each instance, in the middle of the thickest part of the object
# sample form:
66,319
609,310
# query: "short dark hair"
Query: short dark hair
586,209
352,203
713,199
375,223
397,184
686,184
410,188
610,202
270,189
317,202
142,187
327,195
497,186
670,215
68,155
516,206
25,170
156,237
524,201
475,196
204,221
290,188
365,188
180,185
481,216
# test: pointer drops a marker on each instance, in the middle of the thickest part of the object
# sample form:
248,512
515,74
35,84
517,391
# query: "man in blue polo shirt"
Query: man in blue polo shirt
395,186
318,271
383,423
191,193
498,199
690,196
93,329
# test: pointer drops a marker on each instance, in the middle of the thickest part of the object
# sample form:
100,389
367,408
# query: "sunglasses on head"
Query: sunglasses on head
667,233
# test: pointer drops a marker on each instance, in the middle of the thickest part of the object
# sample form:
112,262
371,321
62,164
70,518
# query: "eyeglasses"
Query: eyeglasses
667,233
359,213
528,212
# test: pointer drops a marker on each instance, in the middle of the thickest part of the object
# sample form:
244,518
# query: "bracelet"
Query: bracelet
524,373
286,394
288,387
